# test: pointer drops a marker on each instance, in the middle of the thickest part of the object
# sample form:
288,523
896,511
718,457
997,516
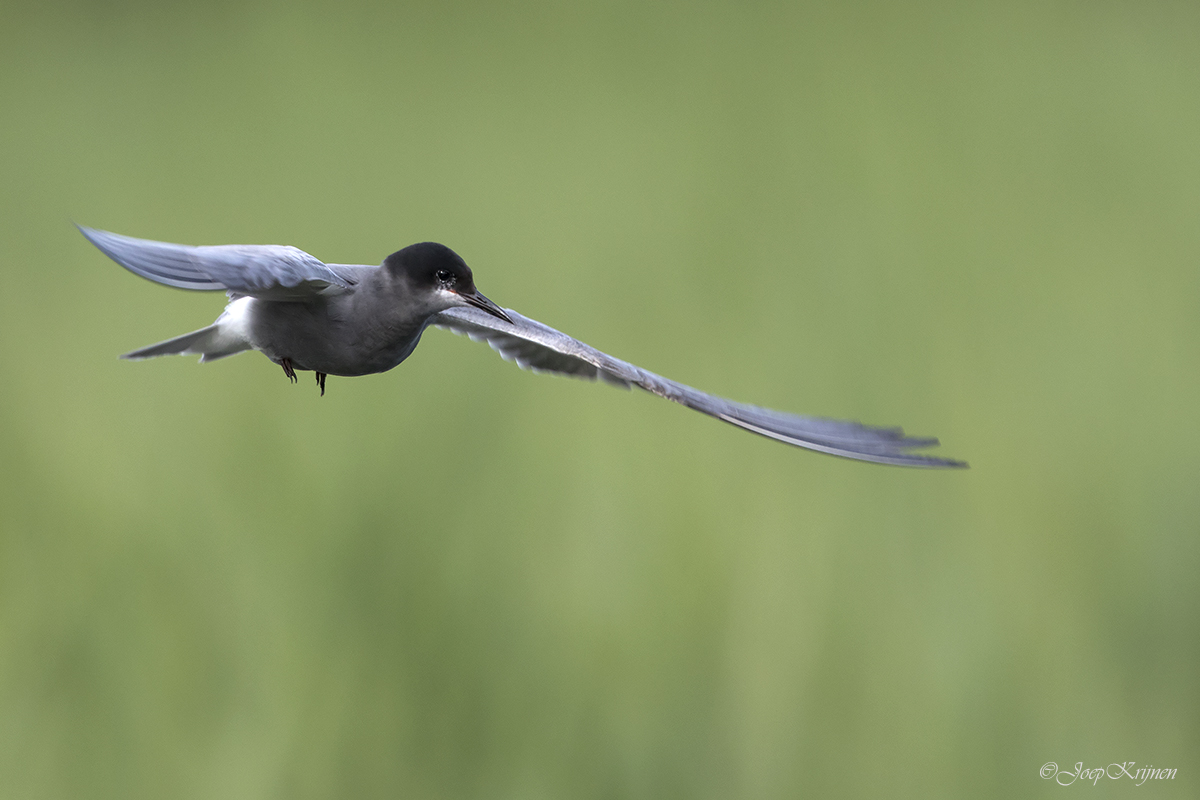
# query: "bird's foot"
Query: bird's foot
286,363
321,382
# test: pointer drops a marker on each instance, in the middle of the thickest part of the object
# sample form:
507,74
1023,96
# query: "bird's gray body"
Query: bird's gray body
349,320
358,331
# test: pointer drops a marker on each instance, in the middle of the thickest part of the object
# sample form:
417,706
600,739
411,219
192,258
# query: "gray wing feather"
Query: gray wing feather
269,272
540,348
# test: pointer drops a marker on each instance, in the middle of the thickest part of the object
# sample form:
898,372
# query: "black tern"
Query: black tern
349,320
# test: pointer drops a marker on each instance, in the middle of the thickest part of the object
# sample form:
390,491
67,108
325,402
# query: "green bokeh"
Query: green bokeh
461,580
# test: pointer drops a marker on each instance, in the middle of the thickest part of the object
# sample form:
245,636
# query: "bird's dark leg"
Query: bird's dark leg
321,382
286,363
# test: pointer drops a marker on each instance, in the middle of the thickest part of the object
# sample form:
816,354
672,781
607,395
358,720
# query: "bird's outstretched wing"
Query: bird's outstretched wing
269,272
540,348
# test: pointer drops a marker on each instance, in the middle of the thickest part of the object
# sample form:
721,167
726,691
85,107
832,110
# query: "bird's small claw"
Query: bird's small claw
286,363
321,382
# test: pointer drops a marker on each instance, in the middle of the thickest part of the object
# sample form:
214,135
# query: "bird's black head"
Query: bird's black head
429,265
436,270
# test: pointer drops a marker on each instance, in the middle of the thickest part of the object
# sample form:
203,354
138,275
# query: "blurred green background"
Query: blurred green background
458,579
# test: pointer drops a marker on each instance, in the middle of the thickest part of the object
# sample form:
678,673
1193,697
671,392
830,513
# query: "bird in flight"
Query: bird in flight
348,320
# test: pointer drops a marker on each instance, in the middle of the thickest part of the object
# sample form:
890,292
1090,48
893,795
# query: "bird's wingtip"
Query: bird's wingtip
91,234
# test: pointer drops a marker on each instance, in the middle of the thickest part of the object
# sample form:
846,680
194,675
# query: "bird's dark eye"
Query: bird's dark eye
444,276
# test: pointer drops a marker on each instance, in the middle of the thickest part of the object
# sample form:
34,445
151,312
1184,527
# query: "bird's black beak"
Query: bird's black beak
482,303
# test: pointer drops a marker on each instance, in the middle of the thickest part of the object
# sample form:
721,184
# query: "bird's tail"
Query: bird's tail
209,343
